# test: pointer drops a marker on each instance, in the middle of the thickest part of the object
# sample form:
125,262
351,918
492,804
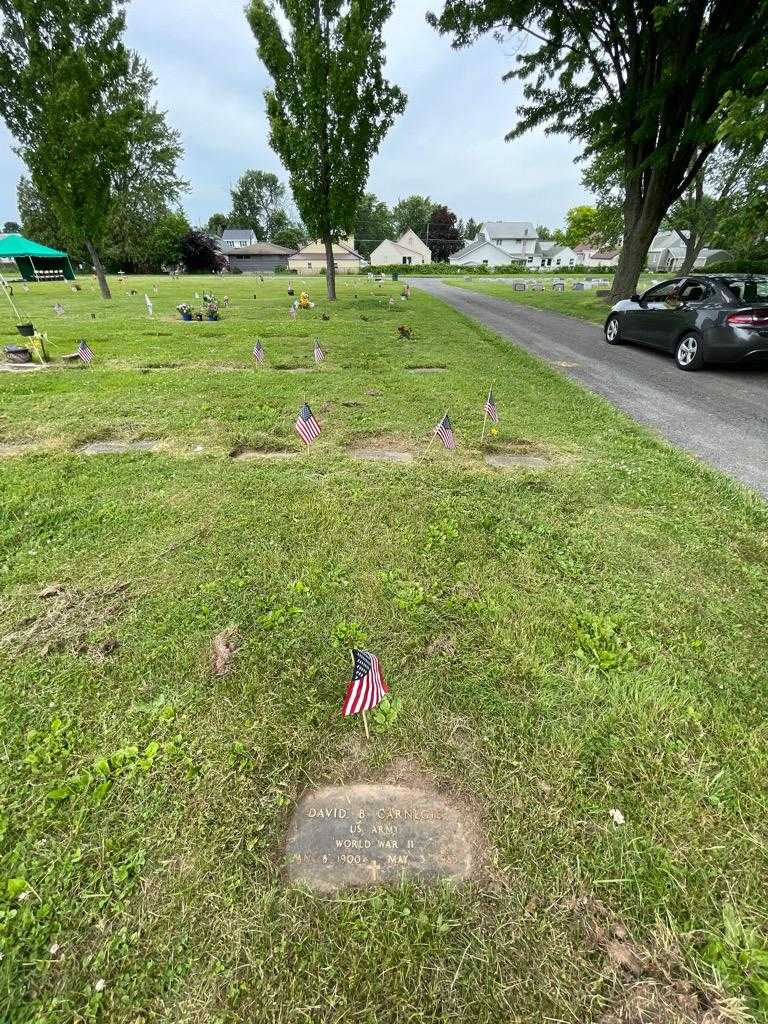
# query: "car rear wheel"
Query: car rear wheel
689,353
612,331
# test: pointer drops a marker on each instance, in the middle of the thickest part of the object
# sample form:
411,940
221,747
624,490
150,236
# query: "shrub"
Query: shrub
449,270
738,267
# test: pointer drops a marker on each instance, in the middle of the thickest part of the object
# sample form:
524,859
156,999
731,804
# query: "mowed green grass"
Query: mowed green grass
565,643
586,305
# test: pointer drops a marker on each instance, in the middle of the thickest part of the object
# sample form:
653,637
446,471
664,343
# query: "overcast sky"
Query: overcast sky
449,144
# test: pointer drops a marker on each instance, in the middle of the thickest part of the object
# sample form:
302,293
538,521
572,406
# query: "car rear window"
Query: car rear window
753,290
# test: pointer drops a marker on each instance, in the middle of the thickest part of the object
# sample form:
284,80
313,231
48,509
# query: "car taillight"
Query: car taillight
748,318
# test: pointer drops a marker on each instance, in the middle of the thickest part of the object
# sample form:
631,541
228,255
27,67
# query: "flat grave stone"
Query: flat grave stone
516,460
381,455
364,835
248,454
519,286
117,447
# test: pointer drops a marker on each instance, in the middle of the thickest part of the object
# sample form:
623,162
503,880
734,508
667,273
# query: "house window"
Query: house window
485,263
309,266
406,260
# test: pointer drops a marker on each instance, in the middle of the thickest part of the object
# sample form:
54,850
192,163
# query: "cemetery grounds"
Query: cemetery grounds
586,305
576,654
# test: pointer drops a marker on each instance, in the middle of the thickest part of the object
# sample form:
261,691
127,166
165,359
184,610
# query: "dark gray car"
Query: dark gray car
701,318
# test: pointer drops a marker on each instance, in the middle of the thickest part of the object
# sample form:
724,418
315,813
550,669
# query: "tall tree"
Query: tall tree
11,227
443,235
77,102
330,105
287,232
373,223
37,219
470,229
217,223
413,212
648,75
258,200
200,255
581,223
164,245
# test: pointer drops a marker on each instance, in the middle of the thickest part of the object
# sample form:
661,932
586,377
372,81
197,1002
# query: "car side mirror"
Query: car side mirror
634,298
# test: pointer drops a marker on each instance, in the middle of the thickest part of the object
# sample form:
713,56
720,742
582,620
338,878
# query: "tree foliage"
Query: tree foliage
444,237
11,227
258,202
413,212
77,102
638,82
373,223
330,105
200,255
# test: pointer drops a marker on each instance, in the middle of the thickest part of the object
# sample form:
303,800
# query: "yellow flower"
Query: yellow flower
494,431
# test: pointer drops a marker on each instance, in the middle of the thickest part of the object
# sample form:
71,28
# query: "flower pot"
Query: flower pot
186,316
25,330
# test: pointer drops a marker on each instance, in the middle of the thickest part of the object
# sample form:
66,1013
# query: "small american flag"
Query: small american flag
306,425
318,352
444,431
150,307
367,688
84,352
490,408
258,352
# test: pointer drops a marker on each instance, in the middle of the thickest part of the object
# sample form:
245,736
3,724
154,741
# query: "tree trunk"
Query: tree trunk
634,252
693,246
330,270
101,277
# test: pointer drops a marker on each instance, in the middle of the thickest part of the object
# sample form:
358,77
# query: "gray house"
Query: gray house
237,238
259,258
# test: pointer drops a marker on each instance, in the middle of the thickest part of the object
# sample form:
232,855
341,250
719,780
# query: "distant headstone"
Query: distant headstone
364,835
519,286
578,286
558,286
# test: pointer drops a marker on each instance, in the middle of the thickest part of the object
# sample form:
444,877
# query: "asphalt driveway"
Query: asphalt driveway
719,414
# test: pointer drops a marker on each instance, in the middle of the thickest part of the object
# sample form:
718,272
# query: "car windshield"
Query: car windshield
754,289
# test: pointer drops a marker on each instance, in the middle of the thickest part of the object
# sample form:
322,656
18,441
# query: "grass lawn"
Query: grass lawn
586,305
566,642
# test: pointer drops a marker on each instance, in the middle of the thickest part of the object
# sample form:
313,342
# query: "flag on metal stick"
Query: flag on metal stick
444,431
490,407
150,307
306,425
85,352
318,352
367,688
258,352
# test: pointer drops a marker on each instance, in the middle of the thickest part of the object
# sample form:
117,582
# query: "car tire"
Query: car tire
689,353
612,331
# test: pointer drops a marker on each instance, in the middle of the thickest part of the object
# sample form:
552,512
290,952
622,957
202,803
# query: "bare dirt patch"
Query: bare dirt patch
223,650
649,983
117,447
68,618
7,451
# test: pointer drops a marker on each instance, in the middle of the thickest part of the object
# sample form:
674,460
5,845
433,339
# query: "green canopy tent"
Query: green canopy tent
36,262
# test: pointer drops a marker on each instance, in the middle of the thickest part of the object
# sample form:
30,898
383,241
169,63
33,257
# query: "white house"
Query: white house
592,254
237,238
408,250
497,244
550,256
667,252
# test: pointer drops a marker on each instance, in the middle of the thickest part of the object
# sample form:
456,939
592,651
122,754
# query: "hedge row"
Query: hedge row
449,270
739,267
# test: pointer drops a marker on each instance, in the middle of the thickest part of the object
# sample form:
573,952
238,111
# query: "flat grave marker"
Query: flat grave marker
364,835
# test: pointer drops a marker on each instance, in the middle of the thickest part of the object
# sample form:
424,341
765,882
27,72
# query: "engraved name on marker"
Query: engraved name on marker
375,835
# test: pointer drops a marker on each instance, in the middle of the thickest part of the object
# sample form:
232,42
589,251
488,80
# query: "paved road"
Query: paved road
719,414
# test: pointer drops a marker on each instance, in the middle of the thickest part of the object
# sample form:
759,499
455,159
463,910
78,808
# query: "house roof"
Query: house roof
510,229
264,249
340,251
469,249
406,250
238,234
551,248
605,254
